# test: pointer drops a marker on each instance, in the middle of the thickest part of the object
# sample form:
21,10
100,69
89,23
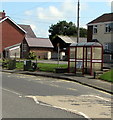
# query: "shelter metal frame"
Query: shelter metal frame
82,55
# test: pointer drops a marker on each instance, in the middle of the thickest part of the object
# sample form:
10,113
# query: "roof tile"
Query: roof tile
39,42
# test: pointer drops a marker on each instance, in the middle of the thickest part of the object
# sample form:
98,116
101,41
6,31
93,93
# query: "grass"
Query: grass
46,67
20,65
108,76
50,67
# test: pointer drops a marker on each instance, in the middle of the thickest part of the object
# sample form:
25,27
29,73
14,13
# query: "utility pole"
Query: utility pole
78,31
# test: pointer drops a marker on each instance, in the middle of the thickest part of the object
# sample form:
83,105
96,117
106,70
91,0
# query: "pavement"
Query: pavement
84,80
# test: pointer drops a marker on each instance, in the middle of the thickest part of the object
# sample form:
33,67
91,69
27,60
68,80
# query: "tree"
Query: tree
83,32
65,28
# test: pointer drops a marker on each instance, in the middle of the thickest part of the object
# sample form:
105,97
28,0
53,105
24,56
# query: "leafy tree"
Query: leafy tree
83,32
65,28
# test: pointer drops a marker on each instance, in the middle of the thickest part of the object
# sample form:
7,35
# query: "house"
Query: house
42,47
11,34
64,42
101,29
13,37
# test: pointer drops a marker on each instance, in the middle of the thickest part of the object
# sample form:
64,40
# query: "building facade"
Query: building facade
11,33
101,29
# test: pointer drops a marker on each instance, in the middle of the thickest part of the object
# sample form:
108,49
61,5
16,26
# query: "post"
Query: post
78,31
58,45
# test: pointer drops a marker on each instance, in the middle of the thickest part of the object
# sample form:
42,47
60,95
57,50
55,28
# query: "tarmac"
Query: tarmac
84,80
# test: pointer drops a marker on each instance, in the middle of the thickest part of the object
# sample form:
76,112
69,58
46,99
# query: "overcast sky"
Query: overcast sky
40,15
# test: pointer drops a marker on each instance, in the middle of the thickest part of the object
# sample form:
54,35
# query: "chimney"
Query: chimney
2,14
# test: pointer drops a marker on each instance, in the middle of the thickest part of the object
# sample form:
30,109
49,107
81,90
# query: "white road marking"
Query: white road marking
96,97
69,110
11,91
20,96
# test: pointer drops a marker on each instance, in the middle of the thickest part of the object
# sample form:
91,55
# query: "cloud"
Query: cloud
54,13
28,12
51,14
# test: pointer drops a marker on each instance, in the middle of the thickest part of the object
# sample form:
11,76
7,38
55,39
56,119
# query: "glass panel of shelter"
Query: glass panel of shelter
79,60
88,60
72,60
72,52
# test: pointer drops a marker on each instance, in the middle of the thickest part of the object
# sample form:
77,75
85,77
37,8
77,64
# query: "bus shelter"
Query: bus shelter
85,58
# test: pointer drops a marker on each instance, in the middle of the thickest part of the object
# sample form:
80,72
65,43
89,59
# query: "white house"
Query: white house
101,29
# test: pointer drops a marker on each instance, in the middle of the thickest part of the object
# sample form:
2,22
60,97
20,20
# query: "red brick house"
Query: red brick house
18,40
10,32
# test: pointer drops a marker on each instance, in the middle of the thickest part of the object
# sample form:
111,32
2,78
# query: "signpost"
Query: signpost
58,45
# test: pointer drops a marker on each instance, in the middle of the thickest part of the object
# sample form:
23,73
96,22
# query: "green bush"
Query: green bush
32,55
5,63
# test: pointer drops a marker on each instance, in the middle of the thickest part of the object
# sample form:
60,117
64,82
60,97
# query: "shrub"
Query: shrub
31,55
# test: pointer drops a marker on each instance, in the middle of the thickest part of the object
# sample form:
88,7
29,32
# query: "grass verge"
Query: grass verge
46,67
50,67
108,76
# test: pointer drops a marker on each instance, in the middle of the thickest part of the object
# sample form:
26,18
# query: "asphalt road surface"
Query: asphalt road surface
27,96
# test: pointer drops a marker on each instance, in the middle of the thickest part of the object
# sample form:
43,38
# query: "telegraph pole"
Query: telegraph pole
78,31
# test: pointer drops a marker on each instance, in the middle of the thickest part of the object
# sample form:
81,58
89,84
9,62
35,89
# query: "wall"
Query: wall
41,53
24,49
101,36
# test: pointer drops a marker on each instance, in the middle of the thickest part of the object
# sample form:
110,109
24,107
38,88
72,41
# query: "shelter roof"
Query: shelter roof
72,39
82,44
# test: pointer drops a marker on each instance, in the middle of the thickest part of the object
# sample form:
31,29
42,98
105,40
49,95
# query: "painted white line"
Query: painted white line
11,91
73,111
85,115
35,99
20,96
96,97
102,98
69,110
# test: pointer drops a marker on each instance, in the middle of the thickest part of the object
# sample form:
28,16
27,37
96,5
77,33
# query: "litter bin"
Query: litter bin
34,66
27,65
11,64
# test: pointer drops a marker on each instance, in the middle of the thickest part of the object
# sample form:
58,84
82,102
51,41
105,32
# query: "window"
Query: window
108,27
24,47
95,29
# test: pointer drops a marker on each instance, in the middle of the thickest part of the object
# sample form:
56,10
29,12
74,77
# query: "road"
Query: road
26,96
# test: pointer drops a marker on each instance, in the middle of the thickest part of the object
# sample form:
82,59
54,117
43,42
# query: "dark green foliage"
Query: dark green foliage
31,55
66,28
83,32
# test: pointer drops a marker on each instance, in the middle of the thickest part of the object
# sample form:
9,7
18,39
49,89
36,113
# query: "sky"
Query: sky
41,14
